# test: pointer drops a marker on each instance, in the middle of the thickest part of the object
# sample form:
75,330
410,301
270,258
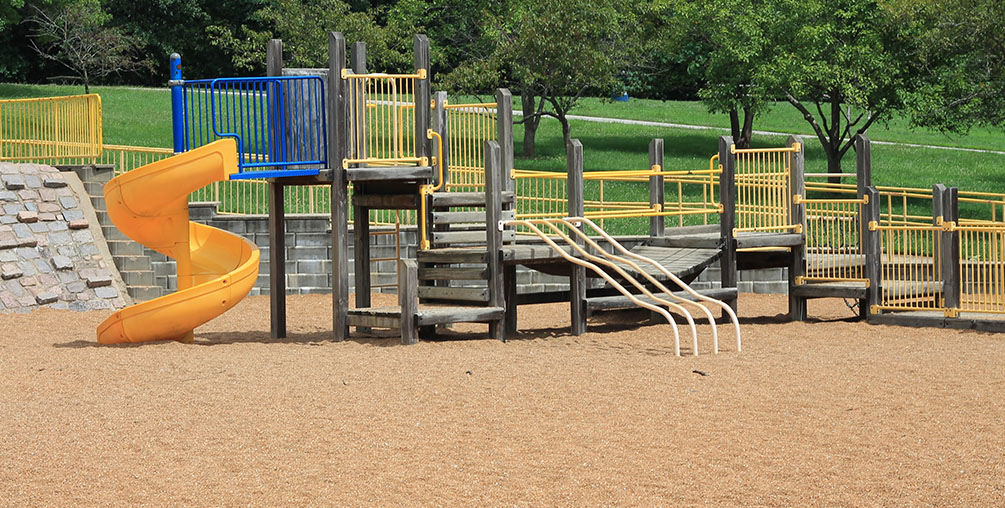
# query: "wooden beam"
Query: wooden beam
408,300
337,120
657,224
493,234
577,273
504,133
951,283
277,260
727,220
422,96
797,213
873,245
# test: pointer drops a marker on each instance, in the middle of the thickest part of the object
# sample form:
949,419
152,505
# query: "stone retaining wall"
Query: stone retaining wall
52,252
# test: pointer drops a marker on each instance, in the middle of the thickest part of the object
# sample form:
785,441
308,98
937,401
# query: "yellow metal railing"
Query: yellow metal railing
911,268
50,128
381,127
763,197
833,247
618,194
469,126
982,268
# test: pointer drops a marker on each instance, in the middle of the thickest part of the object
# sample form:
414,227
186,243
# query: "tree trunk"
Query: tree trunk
834,165
566,129
742,134
530,123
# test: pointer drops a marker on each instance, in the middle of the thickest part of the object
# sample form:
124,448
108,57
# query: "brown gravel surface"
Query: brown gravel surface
823,413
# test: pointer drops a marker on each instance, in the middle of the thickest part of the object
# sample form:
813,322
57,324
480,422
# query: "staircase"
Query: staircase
455,267
136,263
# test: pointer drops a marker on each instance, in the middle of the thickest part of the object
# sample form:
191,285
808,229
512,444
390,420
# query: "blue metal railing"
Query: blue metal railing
278,122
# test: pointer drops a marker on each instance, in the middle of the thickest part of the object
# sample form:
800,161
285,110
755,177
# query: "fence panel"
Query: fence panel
50,128
763,197
278,122
911,268
381,129
833,248
982,268
469,126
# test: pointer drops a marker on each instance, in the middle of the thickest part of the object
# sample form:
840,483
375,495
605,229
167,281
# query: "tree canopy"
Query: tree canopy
844,64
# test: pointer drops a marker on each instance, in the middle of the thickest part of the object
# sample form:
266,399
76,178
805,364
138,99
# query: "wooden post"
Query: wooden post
863,163
274,58
360,215
504,133
408,300
797,215
337,120
422,96
493,236
938,201
951,283
504,136
577,274
277,259
657,196
863,173
727,197
873,249
277,219
442,126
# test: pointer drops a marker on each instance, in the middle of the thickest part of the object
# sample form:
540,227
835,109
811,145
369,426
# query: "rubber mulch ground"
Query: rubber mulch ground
829,412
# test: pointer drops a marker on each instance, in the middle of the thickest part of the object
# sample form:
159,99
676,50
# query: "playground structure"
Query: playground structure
377,142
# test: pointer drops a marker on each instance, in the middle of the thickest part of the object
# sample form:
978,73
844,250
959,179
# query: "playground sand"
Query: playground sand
823,413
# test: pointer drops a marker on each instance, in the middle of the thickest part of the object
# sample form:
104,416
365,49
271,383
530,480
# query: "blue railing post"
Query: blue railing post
177,117
177,113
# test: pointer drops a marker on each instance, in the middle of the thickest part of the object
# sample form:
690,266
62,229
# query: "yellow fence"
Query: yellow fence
468,127
982,268
381,128
50,128
910,271
763,197
620,196
833,245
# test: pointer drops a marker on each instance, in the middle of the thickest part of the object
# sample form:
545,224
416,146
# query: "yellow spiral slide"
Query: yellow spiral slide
216,269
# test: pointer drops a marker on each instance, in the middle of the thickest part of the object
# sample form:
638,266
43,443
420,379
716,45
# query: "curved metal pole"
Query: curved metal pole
596,259
608,278
726,308
652,280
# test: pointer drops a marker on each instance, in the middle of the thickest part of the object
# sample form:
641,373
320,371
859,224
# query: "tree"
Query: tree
725,41
77,38
961,64
553,52
303,25
842,63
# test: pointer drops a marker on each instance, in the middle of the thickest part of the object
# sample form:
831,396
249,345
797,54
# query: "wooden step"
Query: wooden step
452,255
447,238
454,294
446,273
476,217
389,173
448,199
